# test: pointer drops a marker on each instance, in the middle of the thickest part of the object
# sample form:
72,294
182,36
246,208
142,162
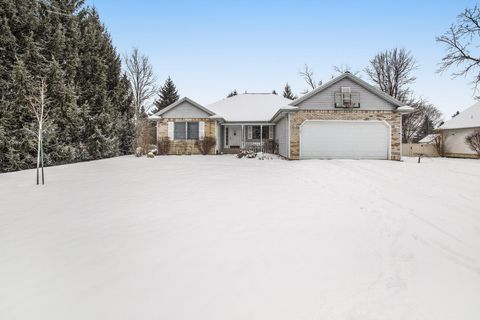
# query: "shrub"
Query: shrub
439,143
163,146
138,152
150,155
205,145
473,141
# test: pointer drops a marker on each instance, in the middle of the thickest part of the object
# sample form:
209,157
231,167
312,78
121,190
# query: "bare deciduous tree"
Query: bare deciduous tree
460,40
473,141
412,123
37,105
144,135
391,71
307,75
439,143
345,68
142,80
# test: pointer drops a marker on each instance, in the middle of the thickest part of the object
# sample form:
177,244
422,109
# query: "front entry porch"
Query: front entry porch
252,136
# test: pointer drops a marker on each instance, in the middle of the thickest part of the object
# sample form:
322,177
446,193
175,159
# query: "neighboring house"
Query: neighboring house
455,130
344,118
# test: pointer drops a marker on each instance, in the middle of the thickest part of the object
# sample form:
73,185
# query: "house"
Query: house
455,130
344,118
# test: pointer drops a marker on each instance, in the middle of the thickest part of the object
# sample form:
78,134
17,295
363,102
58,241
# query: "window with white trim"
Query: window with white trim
186,131
257,131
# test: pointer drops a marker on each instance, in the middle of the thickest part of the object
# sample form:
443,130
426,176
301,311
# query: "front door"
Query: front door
233,137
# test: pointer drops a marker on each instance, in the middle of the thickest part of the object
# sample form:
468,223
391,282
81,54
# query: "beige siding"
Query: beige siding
455,141
415,149
325,99
185,110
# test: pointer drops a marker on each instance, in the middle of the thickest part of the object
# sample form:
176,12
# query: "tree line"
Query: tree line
88,113
89,101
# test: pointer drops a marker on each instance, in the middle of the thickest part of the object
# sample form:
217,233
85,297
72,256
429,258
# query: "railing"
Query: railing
268,146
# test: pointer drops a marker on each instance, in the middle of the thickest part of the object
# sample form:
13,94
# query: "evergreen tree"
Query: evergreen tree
274,92
126,128
65,43
232,93
167,95
426,128
287,92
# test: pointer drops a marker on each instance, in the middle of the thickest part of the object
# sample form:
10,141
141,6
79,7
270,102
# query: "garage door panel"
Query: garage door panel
344,140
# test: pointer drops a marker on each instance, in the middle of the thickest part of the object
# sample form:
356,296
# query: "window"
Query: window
192,130
256,131
186,130
179,132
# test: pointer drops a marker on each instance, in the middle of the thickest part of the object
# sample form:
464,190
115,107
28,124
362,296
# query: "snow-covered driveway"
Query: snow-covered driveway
204,237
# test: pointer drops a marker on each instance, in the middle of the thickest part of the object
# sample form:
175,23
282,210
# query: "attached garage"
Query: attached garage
344,139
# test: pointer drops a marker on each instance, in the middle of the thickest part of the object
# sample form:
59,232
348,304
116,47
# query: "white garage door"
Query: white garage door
344,140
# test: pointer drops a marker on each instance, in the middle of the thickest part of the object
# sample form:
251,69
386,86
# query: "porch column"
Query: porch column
243,136
261,138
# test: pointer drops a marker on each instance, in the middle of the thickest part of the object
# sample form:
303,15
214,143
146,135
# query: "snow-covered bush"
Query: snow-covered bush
138,152
150,155
205,145
163,146
264,156
246,154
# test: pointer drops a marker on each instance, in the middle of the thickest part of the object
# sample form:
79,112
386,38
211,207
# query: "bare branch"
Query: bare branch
142,80
391,71
460,39
345,68
307,75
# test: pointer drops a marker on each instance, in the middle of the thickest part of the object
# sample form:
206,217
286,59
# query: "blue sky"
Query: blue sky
212,47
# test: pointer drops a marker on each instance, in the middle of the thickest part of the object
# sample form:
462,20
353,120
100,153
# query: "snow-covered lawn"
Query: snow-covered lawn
205,237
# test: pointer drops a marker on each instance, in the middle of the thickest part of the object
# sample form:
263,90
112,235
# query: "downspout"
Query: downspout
288,131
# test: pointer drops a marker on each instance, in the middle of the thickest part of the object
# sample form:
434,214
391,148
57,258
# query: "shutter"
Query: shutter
201,129
249,132
170,130
270,132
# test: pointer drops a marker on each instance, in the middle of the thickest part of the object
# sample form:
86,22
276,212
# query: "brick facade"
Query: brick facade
392,118
186,146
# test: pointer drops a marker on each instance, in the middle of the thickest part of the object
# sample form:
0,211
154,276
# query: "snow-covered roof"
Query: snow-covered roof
469,118
429,138
249,106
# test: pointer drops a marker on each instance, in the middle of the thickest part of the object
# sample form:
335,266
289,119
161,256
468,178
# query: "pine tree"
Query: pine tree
126,128
167,95
274,92
287,92
65,43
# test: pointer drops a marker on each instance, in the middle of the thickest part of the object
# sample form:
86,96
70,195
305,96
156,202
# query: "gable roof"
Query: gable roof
468,118
250,106
178,102
357,80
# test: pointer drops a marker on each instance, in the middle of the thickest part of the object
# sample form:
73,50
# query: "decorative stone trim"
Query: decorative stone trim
392,118
178,147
